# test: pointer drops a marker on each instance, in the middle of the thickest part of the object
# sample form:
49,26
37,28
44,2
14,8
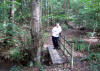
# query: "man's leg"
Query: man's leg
57,40
54,43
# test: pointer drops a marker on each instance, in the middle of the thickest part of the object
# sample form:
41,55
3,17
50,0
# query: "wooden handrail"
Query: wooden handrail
72,49
66,40
66,43
66,49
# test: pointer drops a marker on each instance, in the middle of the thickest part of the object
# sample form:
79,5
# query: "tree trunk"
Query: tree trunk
64,6
4,11
12,11
35,28
68,5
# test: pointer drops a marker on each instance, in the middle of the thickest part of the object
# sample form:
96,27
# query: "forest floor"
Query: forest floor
78,65
5,66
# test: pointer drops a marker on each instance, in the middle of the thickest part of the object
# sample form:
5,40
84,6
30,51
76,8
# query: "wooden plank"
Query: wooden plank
55,57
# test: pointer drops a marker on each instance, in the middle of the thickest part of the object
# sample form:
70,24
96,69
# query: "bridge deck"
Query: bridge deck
56,58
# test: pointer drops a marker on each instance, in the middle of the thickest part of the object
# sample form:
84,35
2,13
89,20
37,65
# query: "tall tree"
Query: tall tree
68,5
35,27
4,12
12,11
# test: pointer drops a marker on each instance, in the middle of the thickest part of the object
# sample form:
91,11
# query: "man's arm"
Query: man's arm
60,30
52,31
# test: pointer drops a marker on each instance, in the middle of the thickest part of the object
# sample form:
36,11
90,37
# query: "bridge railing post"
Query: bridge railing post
72,56
60,41
64,41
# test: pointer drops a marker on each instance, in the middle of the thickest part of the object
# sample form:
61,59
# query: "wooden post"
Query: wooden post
64,45
60,41
72,57
64,41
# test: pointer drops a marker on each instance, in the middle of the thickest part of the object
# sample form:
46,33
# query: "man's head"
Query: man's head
57,24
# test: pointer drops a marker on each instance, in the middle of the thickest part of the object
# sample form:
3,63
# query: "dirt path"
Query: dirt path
72,33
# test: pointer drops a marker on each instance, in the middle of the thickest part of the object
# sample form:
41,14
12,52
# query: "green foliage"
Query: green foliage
90,34
27,41
8,28
15,68
21,9
15,39
15,53
44,36
11,34
54,11
53,6
80,45
95,67
42,68
75,5
94,56
86,13
94,59
64,26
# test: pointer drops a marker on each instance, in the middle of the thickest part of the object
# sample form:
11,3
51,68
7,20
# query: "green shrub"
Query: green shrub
64,26
15,68
27,40
91,34
10,34
94,59
80,46
16,40
94,56
95,67
15,53
44,36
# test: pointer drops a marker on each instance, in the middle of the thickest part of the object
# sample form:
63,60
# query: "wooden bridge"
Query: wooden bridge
56,58
55,55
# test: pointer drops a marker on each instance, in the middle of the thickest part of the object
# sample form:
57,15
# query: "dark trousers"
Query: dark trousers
55,41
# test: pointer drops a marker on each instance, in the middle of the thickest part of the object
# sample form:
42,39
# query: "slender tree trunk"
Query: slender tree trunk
68,5
66,11
4,12
12,11
41,14
35,28
64,6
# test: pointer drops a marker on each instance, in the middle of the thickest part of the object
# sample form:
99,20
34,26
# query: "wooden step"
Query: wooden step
55,57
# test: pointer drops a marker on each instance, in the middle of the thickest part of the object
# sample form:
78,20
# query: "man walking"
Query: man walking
55,35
